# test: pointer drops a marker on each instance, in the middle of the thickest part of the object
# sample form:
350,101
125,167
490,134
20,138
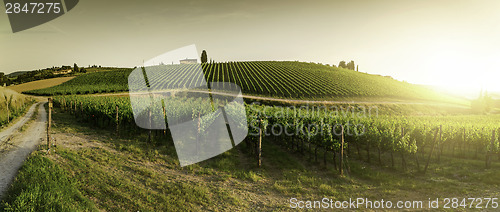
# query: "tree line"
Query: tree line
349,65
40,74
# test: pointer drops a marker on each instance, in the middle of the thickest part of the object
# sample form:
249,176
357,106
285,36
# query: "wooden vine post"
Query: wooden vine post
150,125
259,145
49,122
117,123
440,143
499,145
197,135
463,145
490,151
341,170
432,150
403,161
8,101
165,118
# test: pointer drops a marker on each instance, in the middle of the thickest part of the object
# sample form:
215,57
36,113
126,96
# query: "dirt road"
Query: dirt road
15,146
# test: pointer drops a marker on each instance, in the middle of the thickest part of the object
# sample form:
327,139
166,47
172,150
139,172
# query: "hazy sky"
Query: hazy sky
452,42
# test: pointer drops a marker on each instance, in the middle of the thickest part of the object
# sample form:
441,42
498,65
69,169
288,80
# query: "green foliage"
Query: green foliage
402,134
12,105
42,185
97,82
350,65
342,64
204,56
75,68
483,103
3,79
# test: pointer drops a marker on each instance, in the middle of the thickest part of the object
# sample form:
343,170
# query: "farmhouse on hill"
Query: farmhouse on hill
188,61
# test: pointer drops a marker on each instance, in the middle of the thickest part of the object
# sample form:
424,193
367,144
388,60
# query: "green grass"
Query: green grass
43,185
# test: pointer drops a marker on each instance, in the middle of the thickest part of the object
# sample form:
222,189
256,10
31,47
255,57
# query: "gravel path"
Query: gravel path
21,145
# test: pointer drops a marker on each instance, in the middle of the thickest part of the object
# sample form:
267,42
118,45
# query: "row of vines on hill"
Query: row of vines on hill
411,139
268,78
404,137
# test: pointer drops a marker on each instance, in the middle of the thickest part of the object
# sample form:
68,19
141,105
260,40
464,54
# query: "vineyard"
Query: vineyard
277,79
413,141
96,82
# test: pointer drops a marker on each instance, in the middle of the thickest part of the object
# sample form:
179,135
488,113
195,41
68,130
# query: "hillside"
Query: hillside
296,80
17,73
12,105
39,84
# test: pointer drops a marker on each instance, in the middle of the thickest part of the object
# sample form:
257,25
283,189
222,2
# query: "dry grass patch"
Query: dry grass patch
39,84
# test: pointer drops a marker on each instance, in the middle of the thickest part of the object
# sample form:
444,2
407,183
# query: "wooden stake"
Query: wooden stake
342,152
49,122
432,150
259,145
198,134
490,152
164,117
150,125
499,145
440,143
117,123
463,145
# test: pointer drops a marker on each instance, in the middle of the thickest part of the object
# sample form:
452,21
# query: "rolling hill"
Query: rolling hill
39,84
297,80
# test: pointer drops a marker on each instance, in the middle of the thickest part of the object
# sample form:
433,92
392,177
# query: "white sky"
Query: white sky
452,43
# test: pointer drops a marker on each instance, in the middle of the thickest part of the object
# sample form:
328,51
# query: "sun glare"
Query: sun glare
456,69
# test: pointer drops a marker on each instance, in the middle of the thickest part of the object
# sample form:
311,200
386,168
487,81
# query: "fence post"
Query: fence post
49,122
440,143
165,117
342,152
463,145
259,145
117,123
490,152
150,125
432,150
499,144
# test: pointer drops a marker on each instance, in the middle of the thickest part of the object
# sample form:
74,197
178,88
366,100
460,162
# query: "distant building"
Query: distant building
63,72
188,61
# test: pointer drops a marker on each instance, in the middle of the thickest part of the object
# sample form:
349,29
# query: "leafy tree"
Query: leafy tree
350,65
204,56
483,103
75,68
342,64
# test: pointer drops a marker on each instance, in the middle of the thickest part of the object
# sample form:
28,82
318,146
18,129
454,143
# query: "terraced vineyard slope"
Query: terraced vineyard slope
296,80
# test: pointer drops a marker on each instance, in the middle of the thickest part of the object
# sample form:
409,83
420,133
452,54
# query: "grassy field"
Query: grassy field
40,84
91,169
17,105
